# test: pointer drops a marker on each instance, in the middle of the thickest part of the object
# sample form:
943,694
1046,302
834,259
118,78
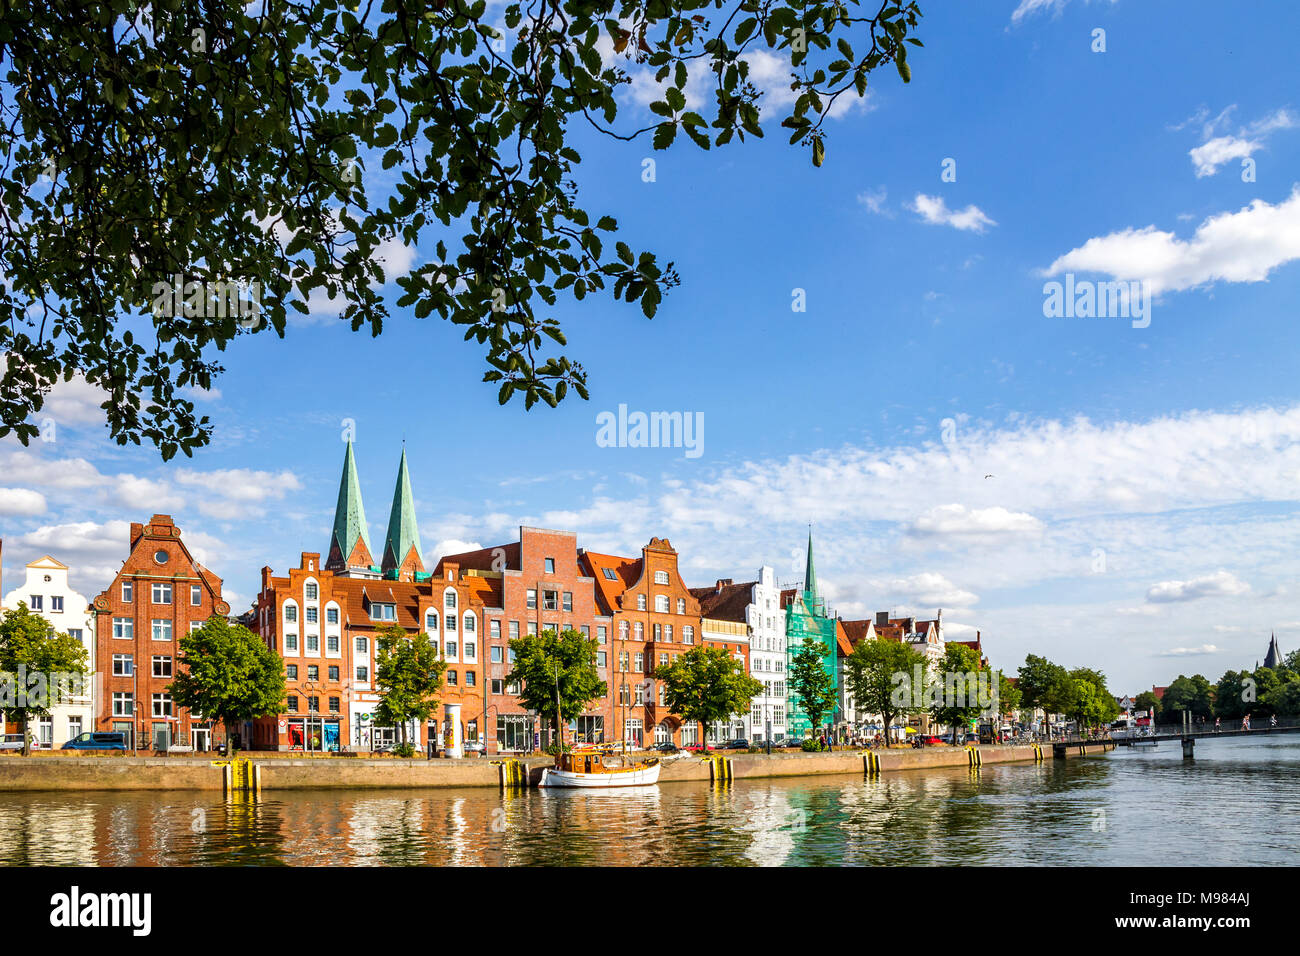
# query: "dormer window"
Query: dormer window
383,612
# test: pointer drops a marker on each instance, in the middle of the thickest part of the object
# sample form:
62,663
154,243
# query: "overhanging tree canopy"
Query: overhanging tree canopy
291,146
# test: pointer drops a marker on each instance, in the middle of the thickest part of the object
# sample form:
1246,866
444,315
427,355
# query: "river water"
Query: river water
1237,803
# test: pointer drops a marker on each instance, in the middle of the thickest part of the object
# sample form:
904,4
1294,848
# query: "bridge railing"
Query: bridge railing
1225,723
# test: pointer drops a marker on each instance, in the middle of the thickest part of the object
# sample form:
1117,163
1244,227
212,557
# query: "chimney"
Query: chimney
939,617
137,532
882,619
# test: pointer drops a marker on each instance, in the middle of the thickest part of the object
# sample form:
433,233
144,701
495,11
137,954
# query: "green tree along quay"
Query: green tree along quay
288,145
707,684
958,703
1089,701
550,666
870,673
810,683
1044,684
408,676
37,665
1009,700
226,673
1193,694
1235,694
1284,700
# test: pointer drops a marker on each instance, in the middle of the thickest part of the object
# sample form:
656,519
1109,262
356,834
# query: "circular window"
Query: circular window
47,579
160,557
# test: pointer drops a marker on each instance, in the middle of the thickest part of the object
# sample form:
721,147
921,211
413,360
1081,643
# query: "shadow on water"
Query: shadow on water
1130,807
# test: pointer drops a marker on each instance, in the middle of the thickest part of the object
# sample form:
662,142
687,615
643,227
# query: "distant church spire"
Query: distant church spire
402,545
1273,659
810,573
350,542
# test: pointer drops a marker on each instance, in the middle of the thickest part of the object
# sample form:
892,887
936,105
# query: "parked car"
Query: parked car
697,747
930,740
736,743
11,742
97,741
475,747
790,742
667,747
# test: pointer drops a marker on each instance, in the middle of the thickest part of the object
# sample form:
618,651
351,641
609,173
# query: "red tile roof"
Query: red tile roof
627,571
856,630
726,603
842,639
481,560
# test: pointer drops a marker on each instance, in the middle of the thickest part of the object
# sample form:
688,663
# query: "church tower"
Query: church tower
1273,659
403,558
350,542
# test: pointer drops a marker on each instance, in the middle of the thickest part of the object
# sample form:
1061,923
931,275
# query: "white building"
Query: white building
756,604
926,637
46,592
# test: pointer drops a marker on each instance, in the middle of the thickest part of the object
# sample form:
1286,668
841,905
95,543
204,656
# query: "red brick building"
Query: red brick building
656,619
323,620
160,594
325,626
526,587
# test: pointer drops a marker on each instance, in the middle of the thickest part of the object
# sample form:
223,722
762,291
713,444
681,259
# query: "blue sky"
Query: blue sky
1143,512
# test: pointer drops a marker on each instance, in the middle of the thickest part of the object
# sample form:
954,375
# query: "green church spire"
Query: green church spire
349,522
403,535
810,573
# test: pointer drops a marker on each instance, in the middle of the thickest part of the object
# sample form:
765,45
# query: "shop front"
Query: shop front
313,734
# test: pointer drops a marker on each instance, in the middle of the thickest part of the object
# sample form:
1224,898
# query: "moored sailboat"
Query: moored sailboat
586,768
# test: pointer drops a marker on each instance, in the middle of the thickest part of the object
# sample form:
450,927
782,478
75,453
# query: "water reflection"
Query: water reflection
1128,808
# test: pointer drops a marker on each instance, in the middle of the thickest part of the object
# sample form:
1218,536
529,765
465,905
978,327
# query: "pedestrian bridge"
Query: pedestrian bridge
1187,738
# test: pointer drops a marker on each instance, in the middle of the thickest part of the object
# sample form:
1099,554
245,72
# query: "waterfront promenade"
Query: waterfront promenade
277,771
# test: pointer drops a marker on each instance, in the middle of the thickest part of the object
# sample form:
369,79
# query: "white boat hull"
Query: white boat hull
637,777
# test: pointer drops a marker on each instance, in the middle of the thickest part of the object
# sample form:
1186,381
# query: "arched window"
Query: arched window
450,600
431,621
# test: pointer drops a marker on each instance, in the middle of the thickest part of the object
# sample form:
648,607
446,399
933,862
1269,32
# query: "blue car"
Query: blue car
97,741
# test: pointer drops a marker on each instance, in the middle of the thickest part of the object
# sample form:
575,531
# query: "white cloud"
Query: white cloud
1219,584
242,484
21,502
1215,151
196,394
928,589
935,211
75,402
1189,651
874,200
145,495
956,519
1028,8
1242,246
1209,156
